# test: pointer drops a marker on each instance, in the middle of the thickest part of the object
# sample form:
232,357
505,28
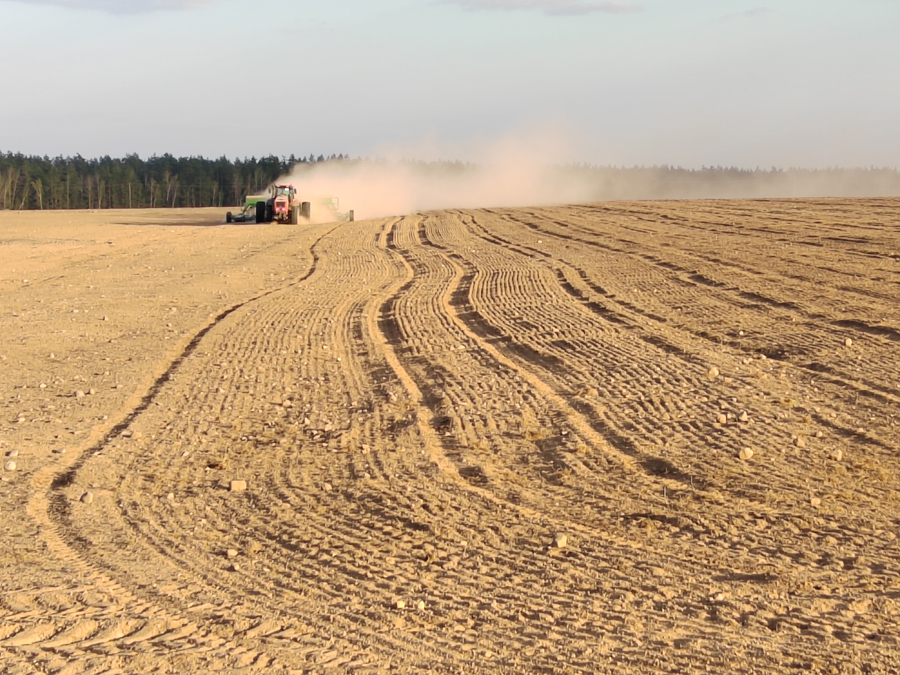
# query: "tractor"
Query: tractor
284,206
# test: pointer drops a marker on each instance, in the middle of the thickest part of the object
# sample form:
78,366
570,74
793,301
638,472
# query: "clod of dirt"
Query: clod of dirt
87,497
235,567
837,455
713,373
287,403
420,605
238,485
722,418
231,553
79,394
560,540
401,604
10,466
815,501
743,417
746,454
848,342
12,453
800,442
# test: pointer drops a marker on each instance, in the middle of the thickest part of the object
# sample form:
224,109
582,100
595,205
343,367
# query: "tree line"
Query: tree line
30,182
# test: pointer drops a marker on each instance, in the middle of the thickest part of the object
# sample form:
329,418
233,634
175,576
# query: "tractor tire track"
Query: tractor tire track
478,441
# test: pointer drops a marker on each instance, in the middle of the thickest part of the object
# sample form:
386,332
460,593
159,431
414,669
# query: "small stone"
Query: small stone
401,604
91,391
837,455
327,487
79,394
238,485
819,434
171,496
815,501
722,418
713,373
287,403
420,605
800,442
746,454
743,417
231,553
12,453
848,342
560,540
87,497
235,567
10,466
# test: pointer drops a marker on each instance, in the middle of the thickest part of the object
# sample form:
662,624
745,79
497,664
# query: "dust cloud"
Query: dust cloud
538,169
513,171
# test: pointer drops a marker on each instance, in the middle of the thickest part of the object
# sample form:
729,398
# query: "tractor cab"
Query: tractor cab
283,191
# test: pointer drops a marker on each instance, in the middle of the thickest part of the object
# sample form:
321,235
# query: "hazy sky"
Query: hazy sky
684,82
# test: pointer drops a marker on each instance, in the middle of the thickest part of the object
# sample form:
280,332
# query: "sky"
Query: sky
691,83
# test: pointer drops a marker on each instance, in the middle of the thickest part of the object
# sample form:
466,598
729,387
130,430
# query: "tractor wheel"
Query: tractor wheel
306,210
260,212
270,212
295,215
350,215
229,218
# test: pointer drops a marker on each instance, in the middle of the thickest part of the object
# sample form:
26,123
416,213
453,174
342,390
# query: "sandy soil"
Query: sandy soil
655,437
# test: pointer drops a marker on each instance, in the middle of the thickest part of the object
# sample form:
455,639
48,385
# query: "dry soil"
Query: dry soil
654,437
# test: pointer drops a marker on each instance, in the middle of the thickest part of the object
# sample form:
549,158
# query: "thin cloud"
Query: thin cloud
123,6
755,13
551,7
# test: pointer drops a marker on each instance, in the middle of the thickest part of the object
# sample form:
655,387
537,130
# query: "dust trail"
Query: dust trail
518,170
534,168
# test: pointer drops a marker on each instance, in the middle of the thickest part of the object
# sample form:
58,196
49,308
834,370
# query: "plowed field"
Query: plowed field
648,437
